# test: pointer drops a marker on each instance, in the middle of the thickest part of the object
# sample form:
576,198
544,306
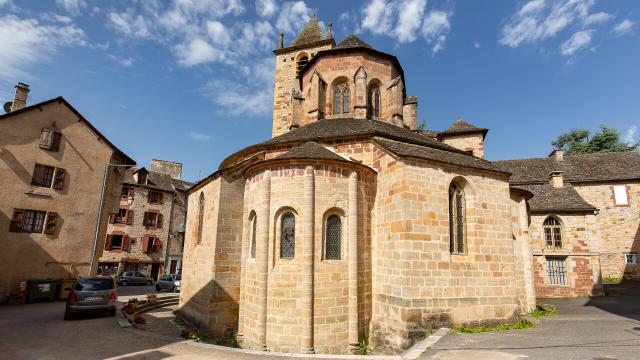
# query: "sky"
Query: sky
192,80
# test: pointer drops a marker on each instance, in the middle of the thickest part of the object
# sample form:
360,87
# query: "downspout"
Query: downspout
166,252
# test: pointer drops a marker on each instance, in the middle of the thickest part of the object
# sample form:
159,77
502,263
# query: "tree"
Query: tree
577,141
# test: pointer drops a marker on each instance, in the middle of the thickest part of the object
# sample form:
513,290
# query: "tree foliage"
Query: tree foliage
578,141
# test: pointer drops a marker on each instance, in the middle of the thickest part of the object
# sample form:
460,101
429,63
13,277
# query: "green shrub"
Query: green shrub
522,324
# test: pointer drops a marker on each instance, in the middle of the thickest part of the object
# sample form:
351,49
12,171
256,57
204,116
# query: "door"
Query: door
155,269
173,266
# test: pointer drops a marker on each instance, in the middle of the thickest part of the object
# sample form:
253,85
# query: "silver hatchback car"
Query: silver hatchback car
169,282
92,295
134,278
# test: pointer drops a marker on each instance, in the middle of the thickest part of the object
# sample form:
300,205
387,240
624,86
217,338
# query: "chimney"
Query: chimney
20,99
557,154
281,41
555,179
330,31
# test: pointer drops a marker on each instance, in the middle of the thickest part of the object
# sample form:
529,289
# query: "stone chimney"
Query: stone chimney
281,41
173,169
410,112
20,99
555,179
330,31
557,154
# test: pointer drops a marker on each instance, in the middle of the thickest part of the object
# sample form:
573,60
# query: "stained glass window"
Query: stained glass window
288,236
333,238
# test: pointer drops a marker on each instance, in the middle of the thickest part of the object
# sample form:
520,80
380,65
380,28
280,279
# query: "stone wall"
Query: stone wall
620,226
473,143
580,243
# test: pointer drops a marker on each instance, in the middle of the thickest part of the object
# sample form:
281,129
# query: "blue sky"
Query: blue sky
192,80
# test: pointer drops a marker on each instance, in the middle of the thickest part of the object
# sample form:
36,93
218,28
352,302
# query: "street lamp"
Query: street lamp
95,239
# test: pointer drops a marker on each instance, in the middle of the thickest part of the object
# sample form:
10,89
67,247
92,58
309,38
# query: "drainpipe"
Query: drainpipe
99,220
166,250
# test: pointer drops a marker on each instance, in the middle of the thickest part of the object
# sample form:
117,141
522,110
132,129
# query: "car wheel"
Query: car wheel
149,283
124,283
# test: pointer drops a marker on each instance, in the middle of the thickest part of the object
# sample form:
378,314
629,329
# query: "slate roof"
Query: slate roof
462,127
309,34
435,154
351,42
577,168
157,180
547,198
311,150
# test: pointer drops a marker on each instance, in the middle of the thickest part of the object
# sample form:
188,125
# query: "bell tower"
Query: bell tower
288,99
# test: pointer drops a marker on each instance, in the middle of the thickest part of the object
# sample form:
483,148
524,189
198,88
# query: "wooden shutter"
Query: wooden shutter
58,179
46,138
107,243
112,218
50,225
159,221
38,175
129,217
16,220
125,243
55,141
160,197
145,243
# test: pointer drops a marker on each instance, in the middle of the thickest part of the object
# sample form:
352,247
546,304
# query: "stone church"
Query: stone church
350,224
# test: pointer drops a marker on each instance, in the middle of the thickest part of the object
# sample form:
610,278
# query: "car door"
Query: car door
140,278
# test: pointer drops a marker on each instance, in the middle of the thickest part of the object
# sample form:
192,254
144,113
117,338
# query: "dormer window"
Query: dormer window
341,98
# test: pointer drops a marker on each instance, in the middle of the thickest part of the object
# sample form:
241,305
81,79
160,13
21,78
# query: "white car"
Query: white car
169,282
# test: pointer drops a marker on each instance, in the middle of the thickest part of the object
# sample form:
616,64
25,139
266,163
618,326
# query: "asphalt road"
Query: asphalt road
584,329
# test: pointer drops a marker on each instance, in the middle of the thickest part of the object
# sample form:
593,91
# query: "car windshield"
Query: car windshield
178,277
94,284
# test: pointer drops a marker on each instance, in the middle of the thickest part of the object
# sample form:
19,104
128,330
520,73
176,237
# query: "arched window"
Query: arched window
200,218
253,236
373,101
333,238
302,61
287,236
341,98
552,232
457,219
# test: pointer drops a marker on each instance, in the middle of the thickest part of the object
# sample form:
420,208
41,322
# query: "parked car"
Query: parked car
134,278
91,295
169,282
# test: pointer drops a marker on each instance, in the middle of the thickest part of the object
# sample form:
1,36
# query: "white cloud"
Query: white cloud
218,32
72,6
630,135
537,20
130,24
435,28
597,18
197,51
25,42
377,17
623,27
3,2
476,45
409,19
194,135
266,8
127,62
577,41
293,15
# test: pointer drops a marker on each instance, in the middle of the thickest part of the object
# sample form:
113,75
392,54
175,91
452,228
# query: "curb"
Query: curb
418,349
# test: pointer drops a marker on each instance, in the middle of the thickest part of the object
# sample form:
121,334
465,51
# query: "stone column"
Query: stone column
360,96
262,254
306,258
246,244
352,253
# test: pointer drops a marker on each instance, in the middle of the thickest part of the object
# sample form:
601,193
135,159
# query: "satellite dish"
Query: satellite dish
7,106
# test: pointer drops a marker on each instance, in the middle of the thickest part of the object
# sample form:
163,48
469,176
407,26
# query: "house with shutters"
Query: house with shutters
145,231
52,171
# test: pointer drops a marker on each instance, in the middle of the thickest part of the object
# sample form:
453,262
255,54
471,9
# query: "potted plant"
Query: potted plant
152,298
139,322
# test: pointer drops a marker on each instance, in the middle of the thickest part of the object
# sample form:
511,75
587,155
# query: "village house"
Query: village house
54,168
146,232
351,225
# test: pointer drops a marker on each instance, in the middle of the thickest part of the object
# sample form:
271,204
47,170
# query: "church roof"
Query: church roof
547,198
578,168
462,127
352,41
311,150
309,34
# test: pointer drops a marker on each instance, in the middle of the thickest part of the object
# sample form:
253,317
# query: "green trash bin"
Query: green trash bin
41,289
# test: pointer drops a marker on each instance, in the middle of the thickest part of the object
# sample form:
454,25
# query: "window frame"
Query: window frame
146,218
47,172
555,230
625,192
119,247
457,220
555,277
374,100
634,256
253,227
200,219
327,232
284,217
341,98
51,141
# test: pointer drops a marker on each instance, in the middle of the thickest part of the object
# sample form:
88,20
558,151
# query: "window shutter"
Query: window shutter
125,243
107,243
38,175
149,196
112,218
16,221
46,138
50,226
145,243
155,244
159,221
129,217
160,198
58,182
55,141
130,194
